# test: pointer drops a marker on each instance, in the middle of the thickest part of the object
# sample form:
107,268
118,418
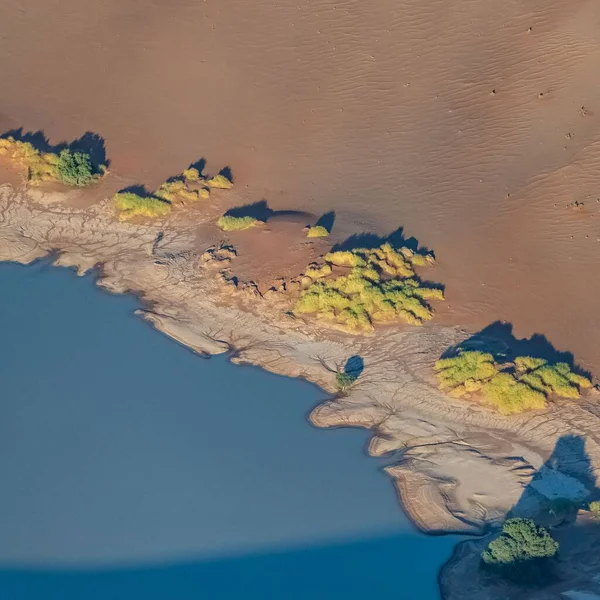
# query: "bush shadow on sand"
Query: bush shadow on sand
499,340
262,212
396,239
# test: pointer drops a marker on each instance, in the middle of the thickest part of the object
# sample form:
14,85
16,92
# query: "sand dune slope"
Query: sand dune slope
475,125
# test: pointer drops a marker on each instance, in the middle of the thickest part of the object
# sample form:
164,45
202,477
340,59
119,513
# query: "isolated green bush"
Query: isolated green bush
344,380
521,541
595,509
74,168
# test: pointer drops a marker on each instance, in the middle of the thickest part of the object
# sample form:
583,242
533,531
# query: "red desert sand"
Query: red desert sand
473,125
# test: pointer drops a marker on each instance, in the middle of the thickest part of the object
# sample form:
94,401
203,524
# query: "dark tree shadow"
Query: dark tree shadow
140,190
226,172
200,165
261,211
354,366
94,145
397,239
257,210
37,139
498,339
327,220
565,483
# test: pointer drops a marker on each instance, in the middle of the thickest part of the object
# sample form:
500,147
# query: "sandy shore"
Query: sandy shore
459,467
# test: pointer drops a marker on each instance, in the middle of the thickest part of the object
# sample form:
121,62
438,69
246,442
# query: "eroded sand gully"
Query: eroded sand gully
460,467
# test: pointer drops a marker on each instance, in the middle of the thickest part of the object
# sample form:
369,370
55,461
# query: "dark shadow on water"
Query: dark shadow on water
397,239
327,220
352,570
354,366
499,340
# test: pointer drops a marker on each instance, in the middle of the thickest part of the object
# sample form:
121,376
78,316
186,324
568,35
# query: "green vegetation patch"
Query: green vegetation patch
131,205
521,546
380,286
229,223
67,167
595,509
344,380
74,168
510,388
317,231
220,182
178,190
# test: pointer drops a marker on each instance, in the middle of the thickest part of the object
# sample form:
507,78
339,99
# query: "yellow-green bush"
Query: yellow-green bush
510,388
595,509
315,271
131,205
220,182
229,223
177,189
68,167
317,231
378,286
192,174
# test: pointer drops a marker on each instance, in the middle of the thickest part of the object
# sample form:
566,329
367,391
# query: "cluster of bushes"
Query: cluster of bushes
524,384
522,549
190,186
379,285
67,167
231,223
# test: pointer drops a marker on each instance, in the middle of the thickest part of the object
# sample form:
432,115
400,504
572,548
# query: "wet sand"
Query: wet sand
473,128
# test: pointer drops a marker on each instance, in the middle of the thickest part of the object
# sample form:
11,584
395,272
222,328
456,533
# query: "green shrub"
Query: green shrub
595,509
344,380
131,205
509,388
317,231
379,285
521,545
74,168
229,223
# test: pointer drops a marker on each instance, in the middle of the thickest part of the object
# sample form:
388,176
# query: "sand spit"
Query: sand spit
459,467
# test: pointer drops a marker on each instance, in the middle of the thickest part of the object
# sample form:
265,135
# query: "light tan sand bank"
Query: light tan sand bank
459,466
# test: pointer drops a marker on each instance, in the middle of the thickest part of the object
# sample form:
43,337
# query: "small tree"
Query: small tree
344,380
74,168
522,545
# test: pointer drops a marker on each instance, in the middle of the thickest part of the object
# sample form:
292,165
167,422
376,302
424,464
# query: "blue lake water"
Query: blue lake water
132,468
